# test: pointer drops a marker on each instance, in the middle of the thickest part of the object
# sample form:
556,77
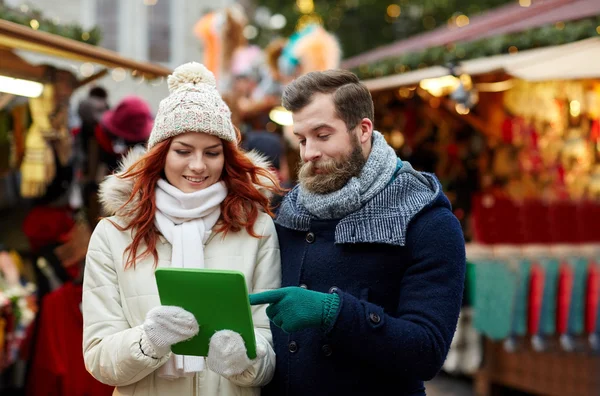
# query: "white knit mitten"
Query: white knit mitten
227,354
168,325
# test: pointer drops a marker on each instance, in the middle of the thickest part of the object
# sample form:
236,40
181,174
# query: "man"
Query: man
373,258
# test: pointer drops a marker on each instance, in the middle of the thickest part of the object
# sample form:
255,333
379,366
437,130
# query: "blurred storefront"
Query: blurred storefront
41,251
514,136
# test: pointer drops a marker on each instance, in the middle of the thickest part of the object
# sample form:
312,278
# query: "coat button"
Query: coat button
310,237
333,289
304,286
326,349
293,347
374,318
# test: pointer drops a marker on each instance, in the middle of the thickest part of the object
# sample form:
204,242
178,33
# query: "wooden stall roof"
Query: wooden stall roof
15,36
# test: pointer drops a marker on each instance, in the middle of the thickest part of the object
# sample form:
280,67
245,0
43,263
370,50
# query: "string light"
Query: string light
86,69
525,3
118,74
35,25
305,6
462,109
397,139
462,21
158,81
498,86
277,21
308,19
16,86
250,32
575,108
393,10
405,93
440,86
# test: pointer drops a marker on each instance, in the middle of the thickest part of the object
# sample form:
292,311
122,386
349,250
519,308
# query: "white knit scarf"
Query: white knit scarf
186,221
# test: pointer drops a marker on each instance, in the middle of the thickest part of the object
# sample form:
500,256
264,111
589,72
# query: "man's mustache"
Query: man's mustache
309,168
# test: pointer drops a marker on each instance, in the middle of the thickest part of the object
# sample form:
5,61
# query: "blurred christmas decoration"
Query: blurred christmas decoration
48,143
17,86
312,48
34,18
465,95
384,20
544,36
222,34
38,167
553,127
18,307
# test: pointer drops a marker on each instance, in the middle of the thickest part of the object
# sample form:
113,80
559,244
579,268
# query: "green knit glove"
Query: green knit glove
295,308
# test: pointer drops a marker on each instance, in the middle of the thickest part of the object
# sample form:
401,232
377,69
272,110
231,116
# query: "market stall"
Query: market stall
514,139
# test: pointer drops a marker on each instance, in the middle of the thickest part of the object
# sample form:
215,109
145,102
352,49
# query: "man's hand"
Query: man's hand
294,308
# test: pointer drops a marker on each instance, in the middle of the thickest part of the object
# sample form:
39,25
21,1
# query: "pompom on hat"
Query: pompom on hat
193,105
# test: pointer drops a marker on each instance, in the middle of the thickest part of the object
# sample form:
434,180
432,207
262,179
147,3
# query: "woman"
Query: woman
193,199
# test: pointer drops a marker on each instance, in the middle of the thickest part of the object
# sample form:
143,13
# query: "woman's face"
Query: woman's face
195,161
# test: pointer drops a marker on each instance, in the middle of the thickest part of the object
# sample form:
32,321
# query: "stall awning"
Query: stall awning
561,62
405,79
572,61
566,62
15,36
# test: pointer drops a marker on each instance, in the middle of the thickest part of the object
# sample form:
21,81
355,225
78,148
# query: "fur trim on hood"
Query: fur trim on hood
115,191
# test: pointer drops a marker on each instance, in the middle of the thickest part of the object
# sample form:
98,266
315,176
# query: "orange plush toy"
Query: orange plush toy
222,33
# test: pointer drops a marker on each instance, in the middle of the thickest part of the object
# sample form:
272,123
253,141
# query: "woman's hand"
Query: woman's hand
168,325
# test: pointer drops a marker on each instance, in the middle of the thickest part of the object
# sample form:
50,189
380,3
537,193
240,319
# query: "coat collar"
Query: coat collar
384,219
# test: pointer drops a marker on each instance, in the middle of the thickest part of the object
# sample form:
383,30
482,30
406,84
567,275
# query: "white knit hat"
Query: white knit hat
193,105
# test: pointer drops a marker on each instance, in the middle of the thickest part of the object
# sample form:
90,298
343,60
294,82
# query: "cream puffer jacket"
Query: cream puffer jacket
115,303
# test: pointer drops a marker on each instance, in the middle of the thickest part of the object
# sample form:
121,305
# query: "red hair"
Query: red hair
239,210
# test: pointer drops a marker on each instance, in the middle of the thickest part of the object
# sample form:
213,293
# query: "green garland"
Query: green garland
71,31
545,36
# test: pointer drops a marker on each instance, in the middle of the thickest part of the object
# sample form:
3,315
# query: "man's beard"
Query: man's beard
335,173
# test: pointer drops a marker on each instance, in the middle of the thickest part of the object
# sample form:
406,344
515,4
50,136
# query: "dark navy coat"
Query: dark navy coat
399,301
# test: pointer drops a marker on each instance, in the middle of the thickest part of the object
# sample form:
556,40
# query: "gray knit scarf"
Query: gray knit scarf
375,175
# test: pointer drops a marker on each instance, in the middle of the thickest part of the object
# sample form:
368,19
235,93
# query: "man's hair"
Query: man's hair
351,98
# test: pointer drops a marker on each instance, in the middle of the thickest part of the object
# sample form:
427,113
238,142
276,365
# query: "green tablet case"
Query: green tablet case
217,298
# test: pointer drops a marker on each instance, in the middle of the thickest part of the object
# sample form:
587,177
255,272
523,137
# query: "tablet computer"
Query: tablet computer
217,298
